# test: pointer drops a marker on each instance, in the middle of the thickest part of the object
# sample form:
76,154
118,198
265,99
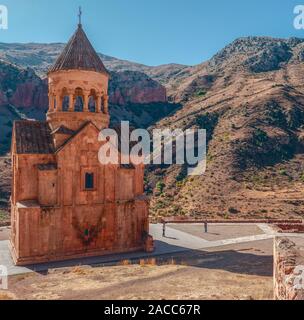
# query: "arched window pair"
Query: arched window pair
79,100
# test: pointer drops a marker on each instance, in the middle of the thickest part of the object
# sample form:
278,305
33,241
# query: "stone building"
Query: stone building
65,204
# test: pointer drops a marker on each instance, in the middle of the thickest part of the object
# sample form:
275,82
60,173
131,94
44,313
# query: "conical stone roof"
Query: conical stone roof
79,54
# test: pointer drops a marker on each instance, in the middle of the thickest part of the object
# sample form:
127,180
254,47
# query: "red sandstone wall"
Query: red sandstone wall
47,187
27,175
55,234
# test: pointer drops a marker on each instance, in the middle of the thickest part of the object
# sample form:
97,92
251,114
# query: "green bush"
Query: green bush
259,137
283,172
200,93
160,186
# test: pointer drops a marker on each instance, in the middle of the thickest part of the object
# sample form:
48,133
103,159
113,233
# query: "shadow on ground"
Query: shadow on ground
227,260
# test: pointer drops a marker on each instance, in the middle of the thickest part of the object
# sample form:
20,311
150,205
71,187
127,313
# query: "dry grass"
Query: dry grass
124,263
81,271
147,282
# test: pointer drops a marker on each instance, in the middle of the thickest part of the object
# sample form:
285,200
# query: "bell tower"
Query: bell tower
78,86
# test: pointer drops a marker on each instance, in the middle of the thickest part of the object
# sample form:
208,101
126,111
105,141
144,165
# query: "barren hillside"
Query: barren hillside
250,99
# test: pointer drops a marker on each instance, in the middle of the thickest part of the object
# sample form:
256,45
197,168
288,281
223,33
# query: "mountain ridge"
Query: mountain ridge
50,51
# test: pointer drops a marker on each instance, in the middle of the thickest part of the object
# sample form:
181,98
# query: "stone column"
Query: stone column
51,102
98,103
71,102
86,102
58,102
106,104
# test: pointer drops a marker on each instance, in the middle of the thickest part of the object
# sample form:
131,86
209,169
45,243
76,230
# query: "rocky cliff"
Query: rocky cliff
21,87
129,87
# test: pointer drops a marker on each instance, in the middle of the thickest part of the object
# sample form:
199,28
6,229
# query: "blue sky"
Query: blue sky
151,31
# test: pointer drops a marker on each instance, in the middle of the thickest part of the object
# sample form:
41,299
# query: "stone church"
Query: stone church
64,203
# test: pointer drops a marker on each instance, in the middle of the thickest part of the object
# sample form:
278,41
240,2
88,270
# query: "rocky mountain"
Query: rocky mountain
250,98
130,82
21,87
24,67
129,87
40,57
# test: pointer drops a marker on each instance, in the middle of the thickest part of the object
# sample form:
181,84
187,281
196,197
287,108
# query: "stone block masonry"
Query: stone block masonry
288,270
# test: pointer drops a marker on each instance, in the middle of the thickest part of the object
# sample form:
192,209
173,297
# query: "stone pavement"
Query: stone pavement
175,241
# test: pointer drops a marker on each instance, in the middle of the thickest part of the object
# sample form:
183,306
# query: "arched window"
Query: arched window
65,100
92,104
79,100
65,103
89,180
92,101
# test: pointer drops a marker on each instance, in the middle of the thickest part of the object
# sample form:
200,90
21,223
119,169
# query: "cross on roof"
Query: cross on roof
79,15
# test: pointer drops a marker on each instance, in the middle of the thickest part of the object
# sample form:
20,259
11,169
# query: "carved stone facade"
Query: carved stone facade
65,204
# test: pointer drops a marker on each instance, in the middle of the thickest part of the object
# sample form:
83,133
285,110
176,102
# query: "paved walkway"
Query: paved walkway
174,242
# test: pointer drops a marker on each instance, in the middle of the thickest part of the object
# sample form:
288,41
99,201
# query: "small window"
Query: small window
89,181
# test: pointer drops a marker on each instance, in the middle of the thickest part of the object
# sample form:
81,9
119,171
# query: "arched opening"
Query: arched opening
79,100
65,103
65,99
92,101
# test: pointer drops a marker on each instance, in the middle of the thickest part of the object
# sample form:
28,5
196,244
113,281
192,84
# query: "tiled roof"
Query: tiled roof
33,137
79,54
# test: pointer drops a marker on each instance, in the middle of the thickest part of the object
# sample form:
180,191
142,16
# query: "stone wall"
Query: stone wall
42,234
289,227
287,257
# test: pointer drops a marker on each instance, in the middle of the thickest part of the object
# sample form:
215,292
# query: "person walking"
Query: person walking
164,229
